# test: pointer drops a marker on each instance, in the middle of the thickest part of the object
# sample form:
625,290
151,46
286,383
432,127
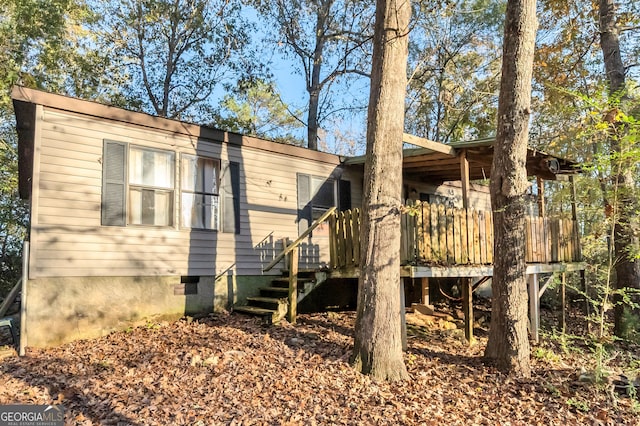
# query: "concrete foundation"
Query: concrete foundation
60,310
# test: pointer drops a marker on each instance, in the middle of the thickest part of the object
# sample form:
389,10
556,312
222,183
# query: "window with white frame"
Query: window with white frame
151,186
200,192
139,188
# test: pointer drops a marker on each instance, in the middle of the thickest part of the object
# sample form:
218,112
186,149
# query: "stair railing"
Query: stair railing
301,238
293,263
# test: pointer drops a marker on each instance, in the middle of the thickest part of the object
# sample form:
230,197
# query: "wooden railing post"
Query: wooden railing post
285,243
293,285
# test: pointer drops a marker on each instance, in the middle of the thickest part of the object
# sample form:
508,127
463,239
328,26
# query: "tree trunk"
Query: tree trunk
378,341
313,86
627,269
312,119
508,345
610,45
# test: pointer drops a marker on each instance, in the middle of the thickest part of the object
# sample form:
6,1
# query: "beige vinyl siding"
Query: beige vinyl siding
67,239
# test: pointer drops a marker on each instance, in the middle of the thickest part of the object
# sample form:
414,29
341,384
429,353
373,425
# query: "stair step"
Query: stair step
301,271
284,281
277,292
269,316
254,310
277,289
267,302
268,299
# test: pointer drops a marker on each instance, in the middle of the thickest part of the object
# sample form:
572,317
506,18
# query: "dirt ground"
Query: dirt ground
230,369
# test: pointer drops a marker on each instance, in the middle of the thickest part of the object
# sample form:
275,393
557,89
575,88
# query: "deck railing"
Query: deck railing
435,234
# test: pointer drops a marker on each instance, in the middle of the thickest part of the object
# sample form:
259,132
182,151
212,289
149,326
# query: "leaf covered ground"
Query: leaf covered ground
229,369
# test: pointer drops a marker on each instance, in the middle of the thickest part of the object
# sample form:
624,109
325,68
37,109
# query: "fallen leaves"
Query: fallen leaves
229,369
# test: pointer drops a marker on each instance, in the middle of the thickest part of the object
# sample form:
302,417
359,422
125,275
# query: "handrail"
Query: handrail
11,297
294,244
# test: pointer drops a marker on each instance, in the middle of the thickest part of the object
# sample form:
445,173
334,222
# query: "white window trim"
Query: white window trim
182,191
171,190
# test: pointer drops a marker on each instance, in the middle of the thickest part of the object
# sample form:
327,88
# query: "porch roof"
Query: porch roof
438,162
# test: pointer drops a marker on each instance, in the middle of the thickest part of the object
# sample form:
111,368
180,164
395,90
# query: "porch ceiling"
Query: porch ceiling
436,164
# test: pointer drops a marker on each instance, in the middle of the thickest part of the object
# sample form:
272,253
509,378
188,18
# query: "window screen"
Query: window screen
200,200
151,187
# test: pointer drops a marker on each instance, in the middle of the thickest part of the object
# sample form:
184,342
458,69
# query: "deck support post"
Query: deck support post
563,317
424,288
534,306
403,316
467,308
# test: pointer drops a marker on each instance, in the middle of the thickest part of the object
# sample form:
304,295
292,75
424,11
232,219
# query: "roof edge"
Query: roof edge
96,109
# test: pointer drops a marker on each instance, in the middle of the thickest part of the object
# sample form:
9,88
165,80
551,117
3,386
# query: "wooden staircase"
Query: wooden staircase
273,302
281,298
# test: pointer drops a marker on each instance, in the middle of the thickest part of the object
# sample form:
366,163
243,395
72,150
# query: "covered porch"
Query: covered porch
455,240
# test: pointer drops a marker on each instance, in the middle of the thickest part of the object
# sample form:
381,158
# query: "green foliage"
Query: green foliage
43,44
578,404
615,126
174,53
150,325
255,108
329,43
576,116
546,355
13,214
630,320
602,133
455,59
46,44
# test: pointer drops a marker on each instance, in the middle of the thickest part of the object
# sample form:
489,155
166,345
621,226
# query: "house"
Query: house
135,218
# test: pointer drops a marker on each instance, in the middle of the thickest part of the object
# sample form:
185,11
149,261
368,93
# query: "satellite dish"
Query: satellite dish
552,164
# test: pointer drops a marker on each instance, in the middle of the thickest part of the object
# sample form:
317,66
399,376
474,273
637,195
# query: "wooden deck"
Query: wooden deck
437,236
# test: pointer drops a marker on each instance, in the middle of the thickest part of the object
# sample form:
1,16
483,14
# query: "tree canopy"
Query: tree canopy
329,40
174,54
455,69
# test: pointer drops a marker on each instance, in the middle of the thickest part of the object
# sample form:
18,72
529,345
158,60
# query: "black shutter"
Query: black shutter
304,202
114,179
230,194
344,194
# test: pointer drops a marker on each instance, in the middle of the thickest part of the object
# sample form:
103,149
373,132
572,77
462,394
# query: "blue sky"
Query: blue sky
292,88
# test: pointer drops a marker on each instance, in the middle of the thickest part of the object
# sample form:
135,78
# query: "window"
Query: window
316,195
199,184
324,196
151,187
139,187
